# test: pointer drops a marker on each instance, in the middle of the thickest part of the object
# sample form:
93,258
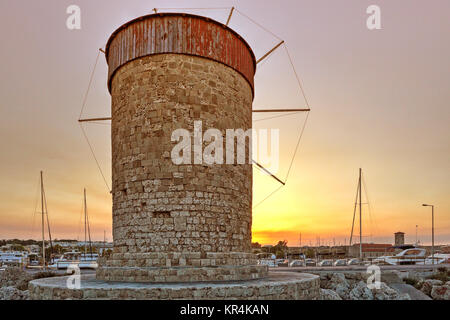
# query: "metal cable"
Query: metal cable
259,25
100,123
296,75
271,194
279,116
304,96
80,220
296,147
35,207
354,212
373,222
81,113
89,85
214,8
95,158
307,116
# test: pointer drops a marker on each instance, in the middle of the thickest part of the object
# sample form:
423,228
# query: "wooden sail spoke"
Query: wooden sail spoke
269,52
281,110
268,172
229,17
94,119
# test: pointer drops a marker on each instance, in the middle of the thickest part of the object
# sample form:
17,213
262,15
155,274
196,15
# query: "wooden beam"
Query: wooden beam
229,17
281,110
268,172
94,119
270,51
259,110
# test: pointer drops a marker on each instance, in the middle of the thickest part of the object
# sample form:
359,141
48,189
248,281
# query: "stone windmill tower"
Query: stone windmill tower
181,231
188,222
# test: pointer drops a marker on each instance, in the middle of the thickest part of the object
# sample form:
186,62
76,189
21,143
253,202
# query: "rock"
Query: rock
361,292
340,285
327,294
338,278
441,292
428,285
15,277
412,292
352,275
11,293
387,293
393,276
419,283
404,296
347,287
343,291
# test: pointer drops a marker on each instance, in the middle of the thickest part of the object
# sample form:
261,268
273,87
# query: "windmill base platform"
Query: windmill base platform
276,286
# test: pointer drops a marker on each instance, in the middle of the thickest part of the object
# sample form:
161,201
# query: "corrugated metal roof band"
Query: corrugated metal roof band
183,34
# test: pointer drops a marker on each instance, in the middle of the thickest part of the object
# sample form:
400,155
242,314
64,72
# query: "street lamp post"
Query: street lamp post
432,229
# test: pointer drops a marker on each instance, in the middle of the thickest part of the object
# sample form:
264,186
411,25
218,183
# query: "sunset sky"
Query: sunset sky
380,101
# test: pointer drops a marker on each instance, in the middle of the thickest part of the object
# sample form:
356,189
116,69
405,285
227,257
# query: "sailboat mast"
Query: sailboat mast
43,231
48,227
85,224
360,215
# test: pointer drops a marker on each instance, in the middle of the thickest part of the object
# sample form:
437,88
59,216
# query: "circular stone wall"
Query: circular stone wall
277,286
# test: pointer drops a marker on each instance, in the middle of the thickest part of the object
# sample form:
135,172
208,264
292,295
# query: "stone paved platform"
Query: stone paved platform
276,286
181,274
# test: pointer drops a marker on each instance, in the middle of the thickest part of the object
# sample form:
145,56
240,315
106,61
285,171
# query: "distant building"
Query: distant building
370,250
266,248
33,248
399,238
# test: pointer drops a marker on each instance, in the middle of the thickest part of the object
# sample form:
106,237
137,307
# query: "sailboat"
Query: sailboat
83,260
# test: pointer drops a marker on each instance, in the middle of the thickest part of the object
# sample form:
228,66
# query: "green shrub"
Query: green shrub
44,274
443,270
444,277
411,281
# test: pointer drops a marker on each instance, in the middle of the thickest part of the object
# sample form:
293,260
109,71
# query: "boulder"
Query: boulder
361,292
428,285
11,293
340,285
393,276
387,293
15,277
441,292
327,294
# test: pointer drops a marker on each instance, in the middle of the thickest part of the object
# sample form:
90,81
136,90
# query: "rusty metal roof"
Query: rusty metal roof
179,33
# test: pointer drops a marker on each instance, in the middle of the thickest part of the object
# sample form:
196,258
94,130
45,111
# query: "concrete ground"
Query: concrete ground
59,272
409,289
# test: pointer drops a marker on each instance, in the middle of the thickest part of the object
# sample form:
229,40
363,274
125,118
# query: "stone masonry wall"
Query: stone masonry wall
160,207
